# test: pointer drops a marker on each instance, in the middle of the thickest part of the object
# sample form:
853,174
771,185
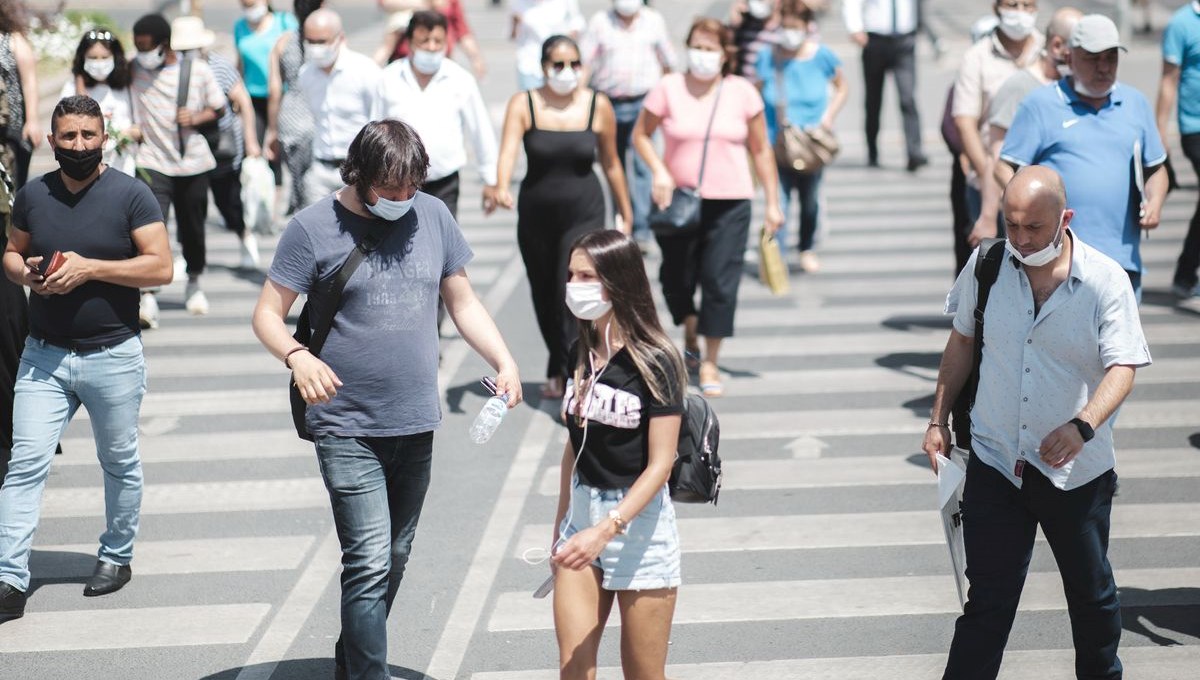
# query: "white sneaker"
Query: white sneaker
249,252
180,268
148,311
809,262
196,302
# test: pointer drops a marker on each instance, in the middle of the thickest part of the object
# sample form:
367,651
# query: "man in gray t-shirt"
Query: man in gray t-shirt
372,396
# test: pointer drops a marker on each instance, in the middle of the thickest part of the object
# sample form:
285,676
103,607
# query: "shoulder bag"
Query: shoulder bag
313,335
682,216
802,150
220,142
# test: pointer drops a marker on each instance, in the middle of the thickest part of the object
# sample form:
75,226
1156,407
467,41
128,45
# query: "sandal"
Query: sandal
712,390
710,383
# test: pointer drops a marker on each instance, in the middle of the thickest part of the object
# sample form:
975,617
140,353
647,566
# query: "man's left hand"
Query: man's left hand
1151,214
1061,446
183,117
74,271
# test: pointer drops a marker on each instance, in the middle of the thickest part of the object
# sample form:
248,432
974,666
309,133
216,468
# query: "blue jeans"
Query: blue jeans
376,487
636,170
52,383
1000,524
807,189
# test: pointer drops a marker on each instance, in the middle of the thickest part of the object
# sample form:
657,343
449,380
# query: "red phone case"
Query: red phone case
51,264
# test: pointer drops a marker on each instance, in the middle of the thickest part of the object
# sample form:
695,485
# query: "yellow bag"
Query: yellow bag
771,269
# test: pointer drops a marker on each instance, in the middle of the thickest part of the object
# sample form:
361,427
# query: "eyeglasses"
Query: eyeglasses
99,35
560,65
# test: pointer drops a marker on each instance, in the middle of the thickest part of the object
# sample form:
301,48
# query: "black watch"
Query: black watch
1086,431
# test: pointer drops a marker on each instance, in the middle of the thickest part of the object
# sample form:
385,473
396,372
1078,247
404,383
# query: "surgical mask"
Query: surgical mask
792,38
320,54
1017,24
427,62
99,69
1044,256
1064,70
255,13
759,9
704,64
78,164
1085,91
564,81
586,300
153,59
627,8
387,209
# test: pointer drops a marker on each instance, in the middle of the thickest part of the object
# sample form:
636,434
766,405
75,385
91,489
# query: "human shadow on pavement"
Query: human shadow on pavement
1194,440
310,669
531,395
71,567
909,322
1155,614
255,276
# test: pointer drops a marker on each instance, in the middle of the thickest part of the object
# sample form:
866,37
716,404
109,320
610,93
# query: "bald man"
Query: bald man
1063,340
339,86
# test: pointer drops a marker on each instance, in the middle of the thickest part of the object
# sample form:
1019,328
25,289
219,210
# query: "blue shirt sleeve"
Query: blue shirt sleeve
295,263
765,65
1153,153
1174,42
1023,142
830,61
240,29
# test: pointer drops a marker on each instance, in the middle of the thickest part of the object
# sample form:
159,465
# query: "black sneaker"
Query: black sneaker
917,163
12,602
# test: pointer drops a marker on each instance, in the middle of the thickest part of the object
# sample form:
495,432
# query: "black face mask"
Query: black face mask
78,165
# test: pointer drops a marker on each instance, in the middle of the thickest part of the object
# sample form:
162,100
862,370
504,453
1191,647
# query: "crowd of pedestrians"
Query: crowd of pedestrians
1051,149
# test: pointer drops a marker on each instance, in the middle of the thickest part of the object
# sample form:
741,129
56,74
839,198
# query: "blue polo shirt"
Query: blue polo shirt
1181,47
1093,152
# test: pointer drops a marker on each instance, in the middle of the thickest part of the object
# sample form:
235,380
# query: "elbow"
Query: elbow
164,273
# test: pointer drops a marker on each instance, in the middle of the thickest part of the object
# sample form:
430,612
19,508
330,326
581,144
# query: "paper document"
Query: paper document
952,477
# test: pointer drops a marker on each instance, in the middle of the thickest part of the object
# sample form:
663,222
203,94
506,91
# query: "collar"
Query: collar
1032,49
1071,97
409,75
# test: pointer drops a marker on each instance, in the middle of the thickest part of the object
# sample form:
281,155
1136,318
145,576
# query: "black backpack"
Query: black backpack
696,477
987,270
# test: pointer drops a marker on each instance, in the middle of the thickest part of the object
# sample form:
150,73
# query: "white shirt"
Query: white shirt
875,16
451,96
1039,369
540,19
340,101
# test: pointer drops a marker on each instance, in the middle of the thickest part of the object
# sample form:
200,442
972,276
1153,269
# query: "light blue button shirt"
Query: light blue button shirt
1039,369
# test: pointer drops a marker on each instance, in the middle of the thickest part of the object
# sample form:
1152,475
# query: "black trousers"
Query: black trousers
190,197
445,190
961,215
711,258
895,53
1189,257
1000,523
226,184
260,131
14,327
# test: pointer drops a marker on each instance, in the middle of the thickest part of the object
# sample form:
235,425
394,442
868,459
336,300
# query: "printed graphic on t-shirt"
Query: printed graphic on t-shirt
402,292
607,405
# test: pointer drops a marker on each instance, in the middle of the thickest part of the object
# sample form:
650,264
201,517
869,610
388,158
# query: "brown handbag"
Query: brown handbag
801,150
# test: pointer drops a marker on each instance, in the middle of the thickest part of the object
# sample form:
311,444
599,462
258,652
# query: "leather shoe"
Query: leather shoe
917,163
107,578
12,602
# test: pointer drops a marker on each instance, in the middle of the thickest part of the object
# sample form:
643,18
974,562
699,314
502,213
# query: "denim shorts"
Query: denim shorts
646,556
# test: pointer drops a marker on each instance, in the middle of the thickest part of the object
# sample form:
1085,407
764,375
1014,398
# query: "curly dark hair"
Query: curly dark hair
14,17
119,78
386,153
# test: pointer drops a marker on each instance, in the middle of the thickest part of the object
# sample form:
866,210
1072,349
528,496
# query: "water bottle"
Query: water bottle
489,418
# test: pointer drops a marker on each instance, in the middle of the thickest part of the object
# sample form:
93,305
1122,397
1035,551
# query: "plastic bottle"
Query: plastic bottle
488,420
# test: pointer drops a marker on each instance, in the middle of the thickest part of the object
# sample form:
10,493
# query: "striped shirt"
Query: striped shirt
626,61
154,110
227,79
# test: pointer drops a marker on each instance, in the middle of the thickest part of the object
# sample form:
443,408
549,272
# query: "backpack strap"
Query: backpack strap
320,330
987,270
181,97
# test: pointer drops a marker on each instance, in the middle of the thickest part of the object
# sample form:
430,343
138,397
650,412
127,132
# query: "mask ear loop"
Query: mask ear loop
536,555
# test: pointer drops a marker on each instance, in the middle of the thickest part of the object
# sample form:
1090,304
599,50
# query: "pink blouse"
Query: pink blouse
684,120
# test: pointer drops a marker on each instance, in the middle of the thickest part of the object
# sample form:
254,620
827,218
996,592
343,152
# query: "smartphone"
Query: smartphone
544,589
50,264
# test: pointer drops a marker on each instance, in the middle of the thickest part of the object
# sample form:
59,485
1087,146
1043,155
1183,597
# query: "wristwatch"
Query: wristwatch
1086,431
618,521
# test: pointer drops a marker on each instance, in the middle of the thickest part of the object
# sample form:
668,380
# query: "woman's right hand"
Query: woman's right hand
270,145
503,198
661,190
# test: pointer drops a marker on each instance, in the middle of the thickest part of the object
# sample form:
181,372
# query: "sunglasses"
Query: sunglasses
99,35
560,65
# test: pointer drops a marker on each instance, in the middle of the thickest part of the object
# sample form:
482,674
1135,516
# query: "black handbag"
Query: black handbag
313,336
682,216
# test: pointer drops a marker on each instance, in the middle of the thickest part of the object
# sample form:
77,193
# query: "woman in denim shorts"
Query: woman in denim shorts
615,536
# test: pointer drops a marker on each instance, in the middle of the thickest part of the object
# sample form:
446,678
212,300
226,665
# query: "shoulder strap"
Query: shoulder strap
987,270
181,97
320,330
781,120
708,132
592,110
532,116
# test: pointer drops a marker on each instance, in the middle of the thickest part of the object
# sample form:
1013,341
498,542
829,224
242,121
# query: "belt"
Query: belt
891,36
73,348
330,162
626,100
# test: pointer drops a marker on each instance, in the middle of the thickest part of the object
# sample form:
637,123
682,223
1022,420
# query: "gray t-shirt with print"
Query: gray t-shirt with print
384,342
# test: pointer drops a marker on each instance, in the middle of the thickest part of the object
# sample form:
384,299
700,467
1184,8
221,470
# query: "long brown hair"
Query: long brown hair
619,267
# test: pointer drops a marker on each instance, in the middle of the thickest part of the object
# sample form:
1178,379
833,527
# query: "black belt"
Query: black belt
626,100
892,36
330,162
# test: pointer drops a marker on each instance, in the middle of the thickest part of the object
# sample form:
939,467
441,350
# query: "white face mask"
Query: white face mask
255,13
427,62
152,59
321,55
704,64
99,69
1064,70
627,8
1017,24
387,209
1085,91
759,9
586,300
792,38
1046,255
564,81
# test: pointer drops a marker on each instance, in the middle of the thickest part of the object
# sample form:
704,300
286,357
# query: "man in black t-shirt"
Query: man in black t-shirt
84,240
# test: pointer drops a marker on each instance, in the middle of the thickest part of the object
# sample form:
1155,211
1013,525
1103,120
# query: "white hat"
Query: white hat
189,33
1096,33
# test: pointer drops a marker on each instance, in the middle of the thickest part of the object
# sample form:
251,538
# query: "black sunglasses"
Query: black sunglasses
560,65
